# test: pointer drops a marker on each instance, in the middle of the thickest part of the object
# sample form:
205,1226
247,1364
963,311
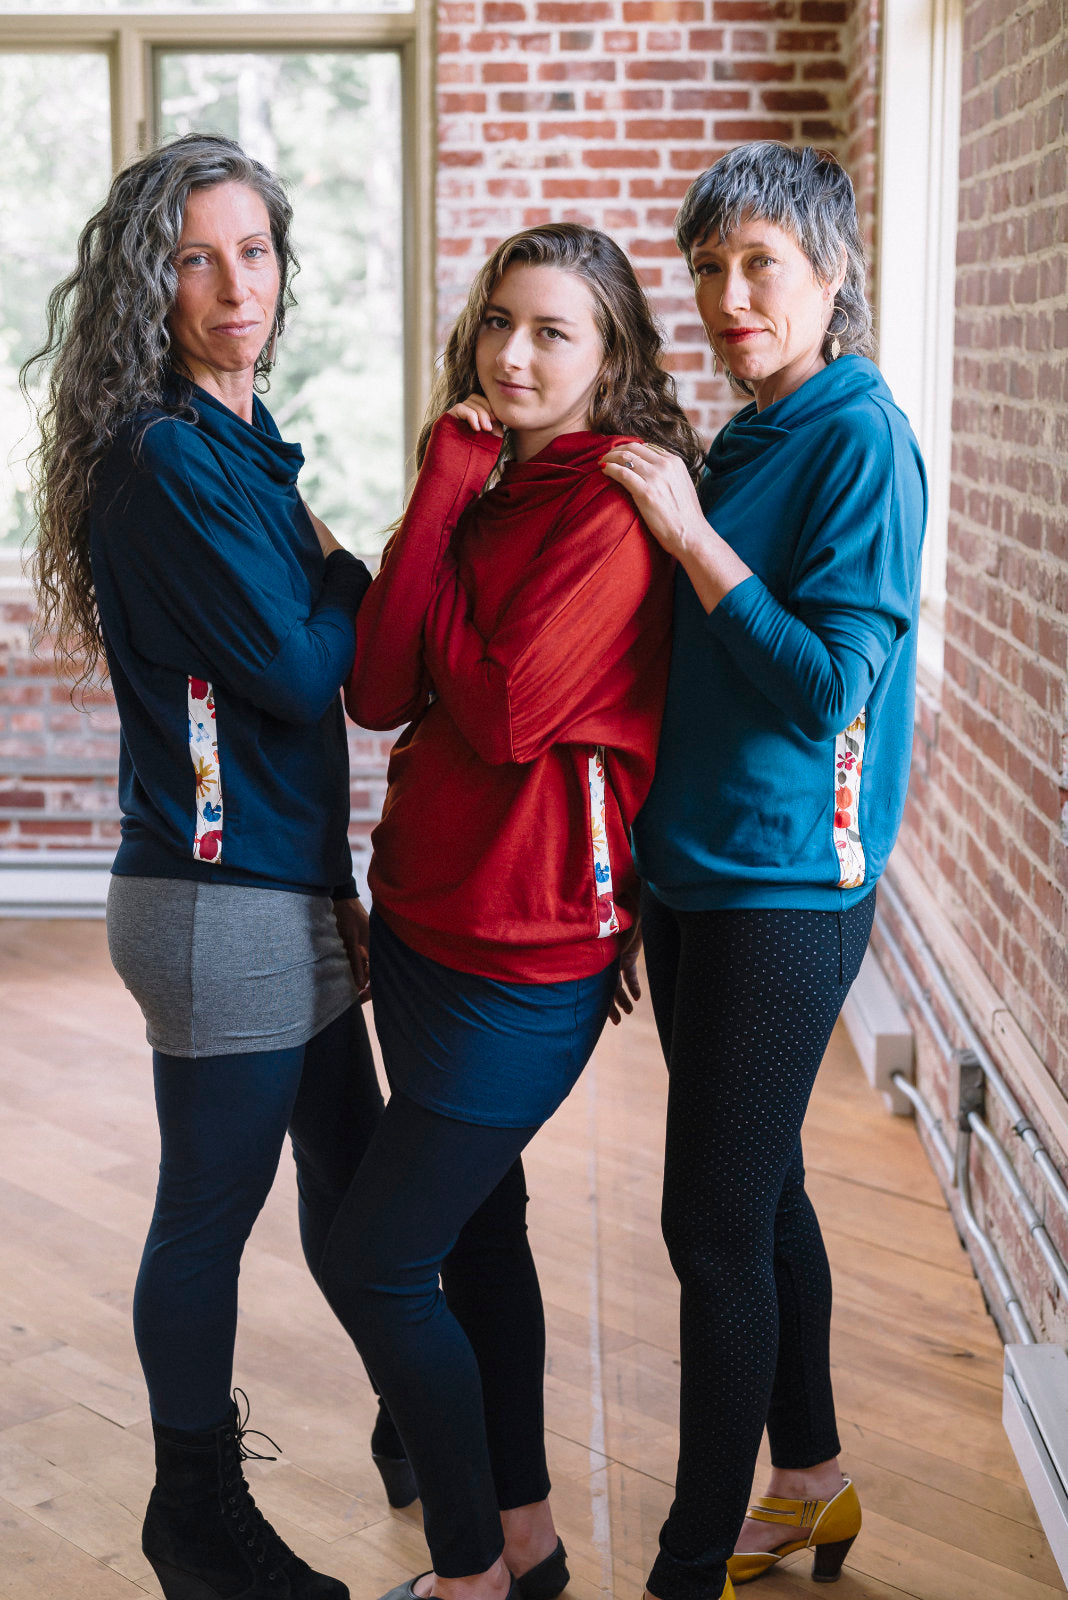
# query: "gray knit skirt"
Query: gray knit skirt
220,969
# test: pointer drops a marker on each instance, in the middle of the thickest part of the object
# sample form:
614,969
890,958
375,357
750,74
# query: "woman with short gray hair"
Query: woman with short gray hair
779,789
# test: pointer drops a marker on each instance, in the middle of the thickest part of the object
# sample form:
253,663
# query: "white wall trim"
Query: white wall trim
917,243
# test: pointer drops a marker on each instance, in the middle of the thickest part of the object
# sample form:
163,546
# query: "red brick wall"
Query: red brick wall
860,148
57,764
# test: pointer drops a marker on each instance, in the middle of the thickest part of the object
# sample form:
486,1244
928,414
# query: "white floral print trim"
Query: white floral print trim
607,921
848,769
204,751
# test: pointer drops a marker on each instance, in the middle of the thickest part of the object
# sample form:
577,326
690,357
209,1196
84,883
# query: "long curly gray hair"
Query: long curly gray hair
807,193
108,351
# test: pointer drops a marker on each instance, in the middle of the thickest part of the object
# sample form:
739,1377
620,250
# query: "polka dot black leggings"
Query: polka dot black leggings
744,1002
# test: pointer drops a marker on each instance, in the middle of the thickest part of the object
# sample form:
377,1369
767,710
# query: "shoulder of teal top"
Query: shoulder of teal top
845,411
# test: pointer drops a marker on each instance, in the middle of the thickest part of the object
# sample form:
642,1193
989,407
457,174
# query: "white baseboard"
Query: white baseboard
71,884
880,1032
74,883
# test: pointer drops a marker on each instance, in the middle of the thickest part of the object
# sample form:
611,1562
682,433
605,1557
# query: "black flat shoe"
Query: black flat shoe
548,1579
406,1591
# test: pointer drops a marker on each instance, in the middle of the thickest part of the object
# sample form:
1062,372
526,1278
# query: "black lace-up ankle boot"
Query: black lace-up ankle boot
204,1535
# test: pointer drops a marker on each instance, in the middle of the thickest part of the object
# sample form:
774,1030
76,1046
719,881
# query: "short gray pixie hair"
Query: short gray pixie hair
808,194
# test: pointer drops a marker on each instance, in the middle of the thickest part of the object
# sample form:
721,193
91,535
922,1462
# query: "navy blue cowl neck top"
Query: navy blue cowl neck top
228,637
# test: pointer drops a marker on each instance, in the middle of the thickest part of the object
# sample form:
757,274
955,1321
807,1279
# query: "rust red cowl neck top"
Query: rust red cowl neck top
524,633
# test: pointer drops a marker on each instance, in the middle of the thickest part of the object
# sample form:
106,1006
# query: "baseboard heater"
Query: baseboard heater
880,1033
1035,1384
1034,1412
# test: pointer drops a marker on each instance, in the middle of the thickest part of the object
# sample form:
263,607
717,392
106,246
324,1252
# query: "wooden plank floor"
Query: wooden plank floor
917,1360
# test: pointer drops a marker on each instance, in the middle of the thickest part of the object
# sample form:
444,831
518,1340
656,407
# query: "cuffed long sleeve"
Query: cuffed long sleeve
389,684
303,677
817,648
818,669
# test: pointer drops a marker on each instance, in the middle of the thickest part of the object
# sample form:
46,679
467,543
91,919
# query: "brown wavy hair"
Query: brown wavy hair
634,394
108,351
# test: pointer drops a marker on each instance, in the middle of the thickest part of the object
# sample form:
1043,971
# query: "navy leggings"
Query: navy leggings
745,1001
223,1121
461,1371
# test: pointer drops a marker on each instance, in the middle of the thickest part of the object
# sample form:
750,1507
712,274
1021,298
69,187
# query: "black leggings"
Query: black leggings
745,1001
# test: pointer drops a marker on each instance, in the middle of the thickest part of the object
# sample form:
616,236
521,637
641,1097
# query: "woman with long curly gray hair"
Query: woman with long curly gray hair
779,788
175,545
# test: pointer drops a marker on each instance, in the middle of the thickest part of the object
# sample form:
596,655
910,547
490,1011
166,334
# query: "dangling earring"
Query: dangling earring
272,345
836,343
715,359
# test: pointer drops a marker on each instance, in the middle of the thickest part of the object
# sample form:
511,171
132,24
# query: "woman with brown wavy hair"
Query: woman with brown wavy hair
520,625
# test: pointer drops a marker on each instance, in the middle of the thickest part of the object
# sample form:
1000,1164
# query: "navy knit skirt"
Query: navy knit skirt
503,1055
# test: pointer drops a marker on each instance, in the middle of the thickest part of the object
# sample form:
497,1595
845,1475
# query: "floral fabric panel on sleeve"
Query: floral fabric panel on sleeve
848,769
607,921
204,752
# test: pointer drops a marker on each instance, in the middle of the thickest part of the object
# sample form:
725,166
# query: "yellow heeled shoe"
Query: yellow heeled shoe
827,1528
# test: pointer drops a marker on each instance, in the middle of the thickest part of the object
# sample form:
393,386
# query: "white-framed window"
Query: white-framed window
917,241
336,99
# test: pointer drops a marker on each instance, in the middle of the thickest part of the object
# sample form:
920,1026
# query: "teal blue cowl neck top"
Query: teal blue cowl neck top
787,734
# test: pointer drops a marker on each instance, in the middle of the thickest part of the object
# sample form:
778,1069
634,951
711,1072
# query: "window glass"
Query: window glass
328,122
55,121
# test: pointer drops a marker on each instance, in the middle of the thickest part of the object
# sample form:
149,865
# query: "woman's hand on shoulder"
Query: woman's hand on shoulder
660,485
476,412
